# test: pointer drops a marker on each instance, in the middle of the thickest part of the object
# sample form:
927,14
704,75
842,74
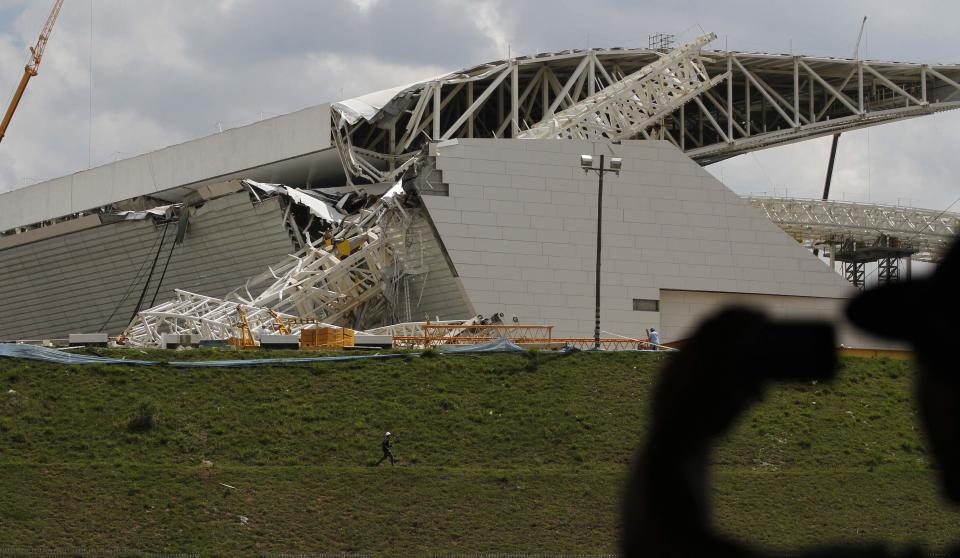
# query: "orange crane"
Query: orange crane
36,53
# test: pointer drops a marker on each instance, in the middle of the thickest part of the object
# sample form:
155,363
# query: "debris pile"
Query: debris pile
336,277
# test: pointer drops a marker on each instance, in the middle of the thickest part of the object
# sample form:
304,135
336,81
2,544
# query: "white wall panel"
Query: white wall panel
261,143
668,224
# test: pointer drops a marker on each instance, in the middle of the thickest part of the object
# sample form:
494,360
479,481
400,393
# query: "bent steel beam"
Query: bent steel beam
768,100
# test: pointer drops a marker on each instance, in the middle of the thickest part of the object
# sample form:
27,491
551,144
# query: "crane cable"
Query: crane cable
153,266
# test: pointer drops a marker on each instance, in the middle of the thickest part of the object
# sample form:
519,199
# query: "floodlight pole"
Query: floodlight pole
586,163
596,324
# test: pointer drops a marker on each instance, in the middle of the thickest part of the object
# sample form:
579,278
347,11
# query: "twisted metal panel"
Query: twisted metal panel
633,104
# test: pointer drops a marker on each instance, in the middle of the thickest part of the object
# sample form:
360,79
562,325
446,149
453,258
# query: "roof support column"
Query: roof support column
796,92
544,95
499,105
514,99
436,111
683,130
592,74
923,84
392,139
729,96
860,84
746,96
470,104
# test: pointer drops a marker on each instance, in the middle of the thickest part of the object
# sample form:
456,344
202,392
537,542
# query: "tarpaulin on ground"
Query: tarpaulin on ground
34,352
493,346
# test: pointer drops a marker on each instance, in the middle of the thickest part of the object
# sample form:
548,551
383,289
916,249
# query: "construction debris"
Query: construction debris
629,106
349,263
336,277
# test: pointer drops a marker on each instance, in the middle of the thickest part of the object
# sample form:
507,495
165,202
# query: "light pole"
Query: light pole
586,163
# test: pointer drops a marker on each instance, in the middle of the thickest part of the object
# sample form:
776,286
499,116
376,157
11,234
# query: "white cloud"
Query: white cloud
488,18
167,70
905,163
364,5
359,75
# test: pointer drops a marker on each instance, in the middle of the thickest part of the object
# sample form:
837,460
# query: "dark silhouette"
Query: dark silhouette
726,365
385,446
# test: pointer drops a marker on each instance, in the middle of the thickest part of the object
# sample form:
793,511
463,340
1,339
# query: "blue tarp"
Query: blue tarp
33,352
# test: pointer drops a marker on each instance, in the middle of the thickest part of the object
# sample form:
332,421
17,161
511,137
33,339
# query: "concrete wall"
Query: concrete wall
264,142
434,291
84,280
681,311
519,224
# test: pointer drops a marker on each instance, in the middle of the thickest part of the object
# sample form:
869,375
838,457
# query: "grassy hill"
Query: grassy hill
497,453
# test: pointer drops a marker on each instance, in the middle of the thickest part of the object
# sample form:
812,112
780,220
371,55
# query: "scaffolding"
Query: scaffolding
884,250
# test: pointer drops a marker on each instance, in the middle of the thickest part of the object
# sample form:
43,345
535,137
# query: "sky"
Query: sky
121,78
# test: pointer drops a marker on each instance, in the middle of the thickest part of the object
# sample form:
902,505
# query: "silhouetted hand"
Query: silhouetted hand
718,373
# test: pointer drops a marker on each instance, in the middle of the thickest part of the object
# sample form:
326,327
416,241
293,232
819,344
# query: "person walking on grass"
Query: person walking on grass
385,446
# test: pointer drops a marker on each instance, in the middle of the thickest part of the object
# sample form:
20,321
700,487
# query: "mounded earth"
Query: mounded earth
498,453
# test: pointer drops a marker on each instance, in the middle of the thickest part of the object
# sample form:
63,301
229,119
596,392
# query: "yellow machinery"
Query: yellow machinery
244,338
36,53
282,328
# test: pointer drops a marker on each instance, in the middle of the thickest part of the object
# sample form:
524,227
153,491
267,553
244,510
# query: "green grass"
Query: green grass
498,453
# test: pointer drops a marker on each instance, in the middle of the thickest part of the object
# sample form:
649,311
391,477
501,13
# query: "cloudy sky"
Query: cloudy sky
166,71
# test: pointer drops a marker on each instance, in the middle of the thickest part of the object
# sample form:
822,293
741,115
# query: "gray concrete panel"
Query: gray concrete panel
668,224
90,280
275,139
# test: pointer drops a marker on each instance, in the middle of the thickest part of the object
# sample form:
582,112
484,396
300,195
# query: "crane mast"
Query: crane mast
36,54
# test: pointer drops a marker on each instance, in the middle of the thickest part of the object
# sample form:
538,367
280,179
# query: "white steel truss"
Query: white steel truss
816,222
190,313
315,283
756,101
630,106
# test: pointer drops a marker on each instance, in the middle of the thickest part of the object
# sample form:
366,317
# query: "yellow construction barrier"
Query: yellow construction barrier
326,337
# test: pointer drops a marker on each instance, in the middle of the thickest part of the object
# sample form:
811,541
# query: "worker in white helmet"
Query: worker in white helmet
386,445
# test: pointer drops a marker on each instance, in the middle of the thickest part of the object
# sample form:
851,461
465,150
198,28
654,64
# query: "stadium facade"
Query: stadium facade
458,196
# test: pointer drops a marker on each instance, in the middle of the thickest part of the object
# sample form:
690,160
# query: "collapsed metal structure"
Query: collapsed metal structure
711,105
335,278
340,276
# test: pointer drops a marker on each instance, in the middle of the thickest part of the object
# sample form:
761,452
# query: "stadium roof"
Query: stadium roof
711,104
